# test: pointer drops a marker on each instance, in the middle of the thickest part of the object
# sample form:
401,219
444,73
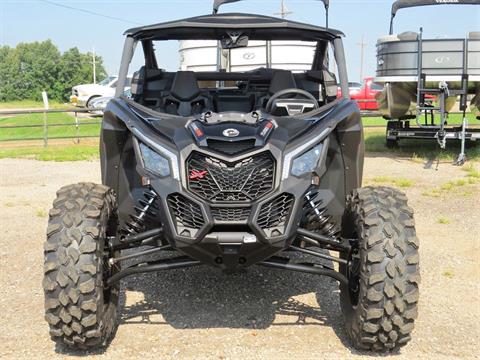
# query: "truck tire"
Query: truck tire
379,304
89,101
80,310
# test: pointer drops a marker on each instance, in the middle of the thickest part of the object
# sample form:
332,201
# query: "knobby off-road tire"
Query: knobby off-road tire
380,304
81,312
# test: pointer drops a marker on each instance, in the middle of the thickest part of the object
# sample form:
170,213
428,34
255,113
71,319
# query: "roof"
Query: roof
400,4
257,27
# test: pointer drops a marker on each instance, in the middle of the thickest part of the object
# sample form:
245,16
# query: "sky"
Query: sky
38,20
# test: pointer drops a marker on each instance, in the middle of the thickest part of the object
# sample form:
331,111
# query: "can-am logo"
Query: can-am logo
231,132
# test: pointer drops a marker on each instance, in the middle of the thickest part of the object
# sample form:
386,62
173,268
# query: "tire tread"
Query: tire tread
71,281
389,272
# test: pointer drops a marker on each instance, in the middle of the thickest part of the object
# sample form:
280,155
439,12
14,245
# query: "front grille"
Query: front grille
242,181
231,147
274,215
231,214
186,215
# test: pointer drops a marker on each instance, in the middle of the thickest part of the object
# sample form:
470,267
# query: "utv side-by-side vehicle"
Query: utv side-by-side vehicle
232,170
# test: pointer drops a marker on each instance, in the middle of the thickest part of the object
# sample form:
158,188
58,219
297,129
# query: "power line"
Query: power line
89,12
362,45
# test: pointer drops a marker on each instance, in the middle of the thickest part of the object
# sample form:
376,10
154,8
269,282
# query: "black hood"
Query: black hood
218,132
237,132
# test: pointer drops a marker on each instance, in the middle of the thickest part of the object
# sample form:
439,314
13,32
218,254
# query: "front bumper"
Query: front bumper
80,101
231,235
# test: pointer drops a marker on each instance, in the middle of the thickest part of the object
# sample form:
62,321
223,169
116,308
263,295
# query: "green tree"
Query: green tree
76,68
30,68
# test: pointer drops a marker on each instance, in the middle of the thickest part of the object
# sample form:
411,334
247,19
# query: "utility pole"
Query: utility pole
94,67
284,12
362,45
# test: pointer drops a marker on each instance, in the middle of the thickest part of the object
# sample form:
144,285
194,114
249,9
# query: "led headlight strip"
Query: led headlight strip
287,161
161,150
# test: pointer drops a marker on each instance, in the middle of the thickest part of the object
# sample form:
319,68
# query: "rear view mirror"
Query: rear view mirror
234,42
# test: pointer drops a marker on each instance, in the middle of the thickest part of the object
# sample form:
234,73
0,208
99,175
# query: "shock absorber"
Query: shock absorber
316,216
144,209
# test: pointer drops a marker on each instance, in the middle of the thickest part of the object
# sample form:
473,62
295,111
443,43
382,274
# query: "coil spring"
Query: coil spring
317,217
143,211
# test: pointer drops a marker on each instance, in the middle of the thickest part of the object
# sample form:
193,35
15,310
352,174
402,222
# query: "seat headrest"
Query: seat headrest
185,86
138,81
281,80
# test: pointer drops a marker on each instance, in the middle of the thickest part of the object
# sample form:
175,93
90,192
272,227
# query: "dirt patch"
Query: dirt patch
202,313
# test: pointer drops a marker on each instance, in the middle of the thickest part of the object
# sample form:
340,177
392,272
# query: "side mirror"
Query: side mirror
138,81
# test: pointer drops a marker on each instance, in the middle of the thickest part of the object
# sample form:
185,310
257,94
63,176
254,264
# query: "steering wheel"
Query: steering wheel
292,91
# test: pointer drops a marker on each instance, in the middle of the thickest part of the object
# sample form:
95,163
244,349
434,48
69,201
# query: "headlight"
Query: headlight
304,157
155,162
307,162
156,157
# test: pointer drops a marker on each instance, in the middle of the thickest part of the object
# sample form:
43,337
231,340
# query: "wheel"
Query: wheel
89,101
379,304
80,310
391,143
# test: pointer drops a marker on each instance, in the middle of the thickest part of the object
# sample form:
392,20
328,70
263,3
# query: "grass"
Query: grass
448,273
41,213
53,153
399,182
459,186
432,193
53,131
471,171
29,104
417,149
375,142
443,220
453,184
453,119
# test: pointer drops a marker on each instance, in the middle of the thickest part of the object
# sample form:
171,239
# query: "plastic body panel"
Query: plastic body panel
340,173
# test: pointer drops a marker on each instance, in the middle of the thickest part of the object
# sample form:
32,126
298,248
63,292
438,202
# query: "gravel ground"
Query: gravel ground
202,313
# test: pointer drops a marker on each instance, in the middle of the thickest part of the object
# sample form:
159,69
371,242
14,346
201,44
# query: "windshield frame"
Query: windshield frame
318,62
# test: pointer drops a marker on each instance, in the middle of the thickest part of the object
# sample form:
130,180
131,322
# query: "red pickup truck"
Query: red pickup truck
364,93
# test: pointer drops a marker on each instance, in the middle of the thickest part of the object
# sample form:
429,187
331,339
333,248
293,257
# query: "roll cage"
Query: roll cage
229,29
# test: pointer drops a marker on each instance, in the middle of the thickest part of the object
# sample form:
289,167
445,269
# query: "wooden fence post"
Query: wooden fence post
45,119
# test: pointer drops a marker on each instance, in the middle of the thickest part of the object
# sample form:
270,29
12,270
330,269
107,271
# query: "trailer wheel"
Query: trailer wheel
380,302
389,142
80,310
